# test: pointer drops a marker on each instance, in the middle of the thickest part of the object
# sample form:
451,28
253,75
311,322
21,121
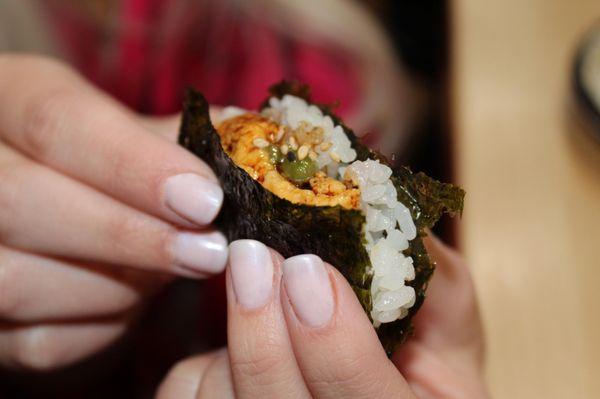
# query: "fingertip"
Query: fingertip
193,197
260,354
309,290
251,272
198,255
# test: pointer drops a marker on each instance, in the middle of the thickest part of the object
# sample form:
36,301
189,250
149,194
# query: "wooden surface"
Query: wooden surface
531,227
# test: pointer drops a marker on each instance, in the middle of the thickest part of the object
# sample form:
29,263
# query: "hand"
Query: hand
95,211
297,330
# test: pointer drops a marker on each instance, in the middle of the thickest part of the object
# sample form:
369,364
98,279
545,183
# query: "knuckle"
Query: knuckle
123,232
139,239
44,118
34,350
262,368
142,162
353,372
121,171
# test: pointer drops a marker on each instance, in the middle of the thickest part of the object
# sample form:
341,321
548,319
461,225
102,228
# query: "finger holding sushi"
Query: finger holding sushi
260,352
49,213
259,361
296,329
84,179
61,121
96,214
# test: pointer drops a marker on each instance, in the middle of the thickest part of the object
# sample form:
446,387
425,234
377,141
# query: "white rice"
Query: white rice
389,225
388,230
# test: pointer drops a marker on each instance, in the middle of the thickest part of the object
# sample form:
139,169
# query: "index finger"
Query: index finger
260,354
58,119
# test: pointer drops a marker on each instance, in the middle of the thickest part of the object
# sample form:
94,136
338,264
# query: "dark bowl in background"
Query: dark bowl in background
587,109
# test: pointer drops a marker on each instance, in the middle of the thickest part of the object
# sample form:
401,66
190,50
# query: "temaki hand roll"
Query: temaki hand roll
296,178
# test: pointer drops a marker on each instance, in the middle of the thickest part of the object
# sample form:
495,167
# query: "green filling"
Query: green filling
275,155
295,170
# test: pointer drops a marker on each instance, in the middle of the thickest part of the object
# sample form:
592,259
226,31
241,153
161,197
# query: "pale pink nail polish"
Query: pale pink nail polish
193,197
201,252
309,288
251,273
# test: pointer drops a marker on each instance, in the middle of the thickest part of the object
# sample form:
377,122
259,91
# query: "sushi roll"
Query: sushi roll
296,178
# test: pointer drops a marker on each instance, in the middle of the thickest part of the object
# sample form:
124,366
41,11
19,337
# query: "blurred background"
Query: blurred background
495,96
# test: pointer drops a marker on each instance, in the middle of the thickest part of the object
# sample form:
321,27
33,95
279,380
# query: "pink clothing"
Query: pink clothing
159,47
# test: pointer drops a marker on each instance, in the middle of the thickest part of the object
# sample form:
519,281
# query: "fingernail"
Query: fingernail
251,272
193,197
200,252
308,286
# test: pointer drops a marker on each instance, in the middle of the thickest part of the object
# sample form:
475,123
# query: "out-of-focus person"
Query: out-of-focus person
100,209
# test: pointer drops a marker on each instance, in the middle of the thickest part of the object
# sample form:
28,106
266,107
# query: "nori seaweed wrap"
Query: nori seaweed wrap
297,179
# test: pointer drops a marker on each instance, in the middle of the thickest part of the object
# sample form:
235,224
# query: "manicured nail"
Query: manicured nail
193,197
308,286
200,252
251,272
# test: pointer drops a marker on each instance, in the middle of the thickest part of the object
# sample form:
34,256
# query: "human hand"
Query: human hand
95,212
296,329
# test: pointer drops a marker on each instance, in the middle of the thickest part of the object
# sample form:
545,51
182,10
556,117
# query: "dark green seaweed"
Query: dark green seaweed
333,233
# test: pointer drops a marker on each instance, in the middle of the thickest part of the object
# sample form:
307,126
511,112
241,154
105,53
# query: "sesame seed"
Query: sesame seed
260,142
325,146
303,152
293,143
333,155
284,149
312,155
